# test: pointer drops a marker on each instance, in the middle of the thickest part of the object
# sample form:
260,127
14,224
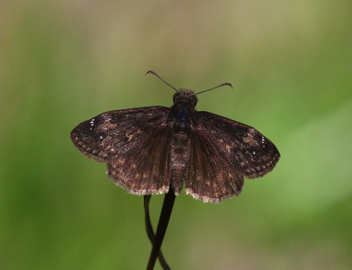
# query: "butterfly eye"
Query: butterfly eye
176,97
194,100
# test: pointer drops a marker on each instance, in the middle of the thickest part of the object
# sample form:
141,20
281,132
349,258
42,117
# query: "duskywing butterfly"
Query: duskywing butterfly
148,149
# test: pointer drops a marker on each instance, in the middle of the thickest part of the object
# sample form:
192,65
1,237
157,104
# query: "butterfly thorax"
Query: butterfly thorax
180,117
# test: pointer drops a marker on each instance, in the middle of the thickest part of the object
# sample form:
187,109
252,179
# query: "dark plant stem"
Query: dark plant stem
162,226
150,232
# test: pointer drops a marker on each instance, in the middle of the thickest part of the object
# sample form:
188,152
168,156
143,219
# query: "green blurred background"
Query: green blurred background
65,62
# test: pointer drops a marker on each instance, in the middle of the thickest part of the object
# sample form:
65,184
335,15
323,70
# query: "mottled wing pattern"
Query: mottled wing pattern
145,169
249,151
135,144
211,176
113,133
222,152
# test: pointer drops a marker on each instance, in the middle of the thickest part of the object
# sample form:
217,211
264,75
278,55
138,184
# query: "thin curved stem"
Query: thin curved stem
150,232
162,226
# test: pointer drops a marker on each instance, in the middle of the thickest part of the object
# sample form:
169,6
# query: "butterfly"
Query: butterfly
149,149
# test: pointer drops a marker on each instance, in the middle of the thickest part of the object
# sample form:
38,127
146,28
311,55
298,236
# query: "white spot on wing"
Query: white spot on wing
92,123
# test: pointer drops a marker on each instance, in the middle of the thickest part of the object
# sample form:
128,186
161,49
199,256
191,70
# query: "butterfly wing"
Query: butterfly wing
211,176
145,169
223,151
113,133
134,143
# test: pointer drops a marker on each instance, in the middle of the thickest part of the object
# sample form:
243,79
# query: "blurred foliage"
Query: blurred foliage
65,62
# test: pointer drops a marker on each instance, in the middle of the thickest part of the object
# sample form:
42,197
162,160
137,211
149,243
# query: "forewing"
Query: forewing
114,133
249,152
211,176
146,168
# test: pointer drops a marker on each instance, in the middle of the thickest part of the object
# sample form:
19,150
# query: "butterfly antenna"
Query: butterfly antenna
152,72
223,84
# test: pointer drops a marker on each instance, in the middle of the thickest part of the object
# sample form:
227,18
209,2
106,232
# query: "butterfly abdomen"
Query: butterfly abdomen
180,153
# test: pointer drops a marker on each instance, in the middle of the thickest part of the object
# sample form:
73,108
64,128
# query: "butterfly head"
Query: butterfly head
185,96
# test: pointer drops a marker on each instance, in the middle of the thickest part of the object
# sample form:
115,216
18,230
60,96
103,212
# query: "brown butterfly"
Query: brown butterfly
148,149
